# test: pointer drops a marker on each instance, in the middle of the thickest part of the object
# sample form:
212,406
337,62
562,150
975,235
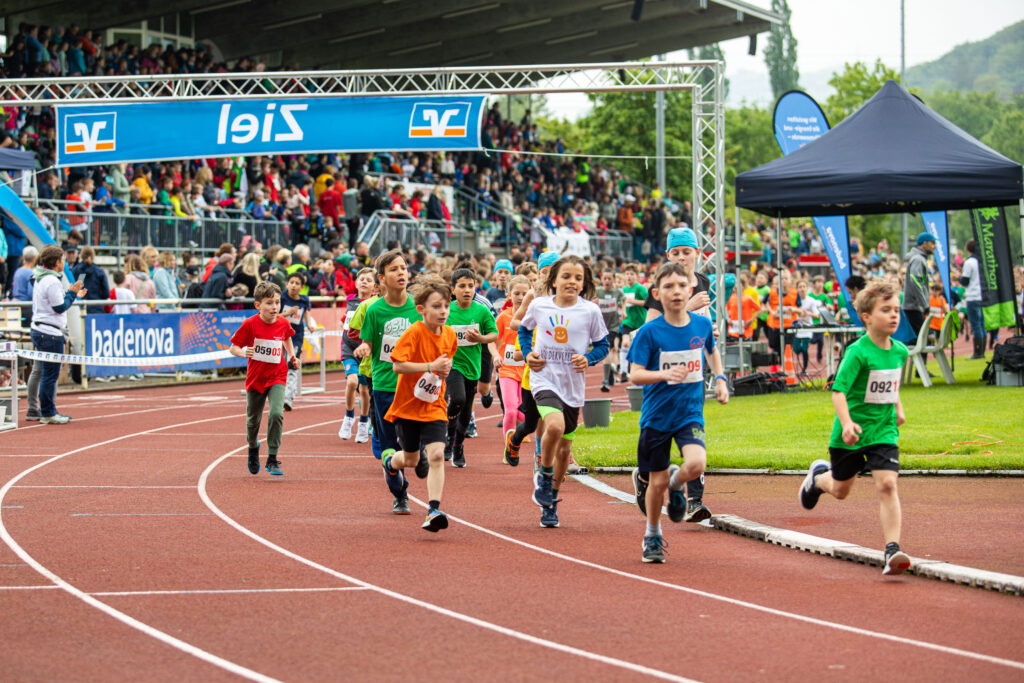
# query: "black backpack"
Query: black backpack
1009,356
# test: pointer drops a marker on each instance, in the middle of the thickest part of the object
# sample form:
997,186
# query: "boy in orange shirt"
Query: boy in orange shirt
422,359
790,309
739,302
938,307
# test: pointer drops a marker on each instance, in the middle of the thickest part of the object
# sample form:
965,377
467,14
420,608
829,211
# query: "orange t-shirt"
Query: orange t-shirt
507,337
751,306
419,345
938,308
773,302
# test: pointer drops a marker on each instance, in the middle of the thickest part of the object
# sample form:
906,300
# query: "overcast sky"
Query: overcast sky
832,32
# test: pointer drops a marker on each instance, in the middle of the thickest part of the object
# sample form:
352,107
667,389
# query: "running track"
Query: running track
137,546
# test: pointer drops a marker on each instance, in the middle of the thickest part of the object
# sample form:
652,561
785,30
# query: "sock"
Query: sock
547,471
554,494
350,413
653,530
434,504
676,483
364,418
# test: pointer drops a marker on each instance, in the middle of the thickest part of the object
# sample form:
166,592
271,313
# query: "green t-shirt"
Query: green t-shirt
381,328
610,303
825,303
870,378
356,323
762,292
467,357
635,315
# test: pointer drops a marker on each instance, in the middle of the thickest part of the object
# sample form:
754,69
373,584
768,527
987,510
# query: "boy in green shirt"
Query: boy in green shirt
636,315
865,432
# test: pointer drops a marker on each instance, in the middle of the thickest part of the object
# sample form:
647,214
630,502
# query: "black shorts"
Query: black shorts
413,435
613,337
486,364
848,463
548,401
654,448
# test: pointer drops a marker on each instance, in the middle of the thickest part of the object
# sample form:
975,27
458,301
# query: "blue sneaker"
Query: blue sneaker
274,467
809,491
676,499
654,549
435,521
549,516
542,494
391,477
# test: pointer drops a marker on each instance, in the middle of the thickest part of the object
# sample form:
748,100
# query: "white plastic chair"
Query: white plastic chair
915,360
940,346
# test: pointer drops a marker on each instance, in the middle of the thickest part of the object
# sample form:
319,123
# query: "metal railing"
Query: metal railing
434,236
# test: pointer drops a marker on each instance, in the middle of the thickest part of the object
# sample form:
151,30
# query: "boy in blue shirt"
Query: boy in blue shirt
667,359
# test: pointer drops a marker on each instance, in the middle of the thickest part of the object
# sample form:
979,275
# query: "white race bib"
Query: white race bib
692,360
705,311
936,311
387,345
509,357
804,334
461,330
428,387
348,319
883,386
297,318
608,304
735,328
267,350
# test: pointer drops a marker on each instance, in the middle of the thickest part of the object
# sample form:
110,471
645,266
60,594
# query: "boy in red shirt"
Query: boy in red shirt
265,339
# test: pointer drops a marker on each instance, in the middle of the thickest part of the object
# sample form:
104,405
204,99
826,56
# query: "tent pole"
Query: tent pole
736,291
782,319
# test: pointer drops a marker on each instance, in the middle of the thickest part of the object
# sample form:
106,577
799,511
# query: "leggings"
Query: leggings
254,402
528,409
459,391
510,398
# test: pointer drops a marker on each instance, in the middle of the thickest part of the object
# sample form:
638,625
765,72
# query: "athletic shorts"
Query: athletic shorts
413,434
548,402
486,365
848,463
654,448
351,366
364,381
612,338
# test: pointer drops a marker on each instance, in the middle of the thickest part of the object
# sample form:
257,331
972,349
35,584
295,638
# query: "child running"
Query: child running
386,320
566,324
510,365
265,339
865,431
609,299
422,359
295,309
354,381
667,359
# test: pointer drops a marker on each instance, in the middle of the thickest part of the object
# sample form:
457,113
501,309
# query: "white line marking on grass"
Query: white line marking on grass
458,616
224,591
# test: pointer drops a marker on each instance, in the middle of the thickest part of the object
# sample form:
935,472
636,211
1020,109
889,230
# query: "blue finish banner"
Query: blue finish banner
799,120
154,335
100,134
935,223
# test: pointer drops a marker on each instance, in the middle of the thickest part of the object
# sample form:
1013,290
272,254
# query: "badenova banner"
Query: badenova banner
995,265
100,134
935,223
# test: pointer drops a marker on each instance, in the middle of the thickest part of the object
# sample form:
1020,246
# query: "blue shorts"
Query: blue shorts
654,448
351,366
364,381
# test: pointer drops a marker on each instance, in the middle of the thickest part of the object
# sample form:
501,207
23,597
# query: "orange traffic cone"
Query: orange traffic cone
789,367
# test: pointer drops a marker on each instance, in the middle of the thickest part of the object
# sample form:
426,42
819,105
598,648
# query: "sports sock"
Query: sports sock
547,471
653,530
554,494
364,418
676,483
350,413
434,504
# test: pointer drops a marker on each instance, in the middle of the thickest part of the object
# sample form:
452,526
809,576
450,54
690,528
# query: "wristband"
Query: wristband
428,367
718,377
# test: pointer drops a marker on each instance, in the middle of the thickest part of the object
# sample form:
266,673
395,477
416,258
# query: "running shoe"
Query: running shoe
542,493
896,561
400,506
33,416
56,419
448,446
487,399
511,450
254,459
363,431
549,516
274,467
459,455
676,499
471,429
435,521
392,477
345,431
654,549
640,489
809,491
605,388
287,407
696,511
423,465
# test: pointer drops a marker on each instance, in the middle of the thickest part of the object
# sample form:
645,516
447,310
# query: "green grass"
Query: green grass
969,425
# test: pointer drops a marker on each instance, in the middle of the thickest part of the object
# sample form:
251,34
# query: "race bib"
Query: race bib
461,330
509,357
705,311
804,334
608,304
735,328
297,318
883,386
692,360
387,345
936,311
428,387
348,319
267,350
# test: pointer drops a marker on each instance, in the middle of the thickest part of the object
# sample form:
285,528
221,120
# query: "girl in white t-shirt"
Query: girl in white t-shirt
566,325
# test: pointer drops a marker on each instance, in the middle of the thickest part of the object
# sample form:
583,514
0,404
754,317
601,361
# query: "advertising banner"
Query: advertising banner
153,335
995,263
935,223
100,134
798,120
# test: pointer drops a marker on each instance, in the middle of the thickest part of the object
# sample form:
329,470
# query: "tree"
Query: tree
1005,136
855,86
780,53
973,112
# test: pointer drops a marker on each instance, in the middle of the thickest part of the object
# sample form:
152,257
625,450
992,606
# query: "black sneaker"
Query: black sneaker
487,399
809,493
448,446
274,467
423,465
32,416
435,521
896,561
696,511
549,516
400,506
287,407
604,387
624,377
676,499
459,455
254,459
640,488
654,549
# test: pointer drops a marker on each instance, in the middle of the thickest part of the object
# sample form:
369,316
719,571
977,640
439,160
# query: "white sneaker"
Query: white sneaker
345,432
363,432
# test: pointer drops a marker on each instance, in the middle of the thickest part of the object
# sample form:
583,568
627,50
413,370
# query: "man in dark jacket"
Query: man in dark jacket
916,282
217,284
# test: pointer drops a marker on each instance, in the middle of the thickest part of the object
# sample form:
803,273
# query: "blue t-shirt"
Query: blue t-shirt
296,320
657,344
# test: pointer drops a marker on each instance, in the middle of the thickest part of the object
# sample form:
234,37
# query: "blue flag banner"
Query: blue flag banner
101,134
935,223
798,120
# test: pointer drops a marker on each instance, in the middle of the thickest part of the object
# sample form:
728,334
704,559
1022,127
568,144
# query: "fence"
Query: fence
385,227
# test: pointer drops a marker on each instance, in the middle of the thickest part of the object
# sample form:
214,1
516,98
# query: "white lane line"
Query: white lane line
519,635
741,603
26,588
93,486
140,514
28,455
224,591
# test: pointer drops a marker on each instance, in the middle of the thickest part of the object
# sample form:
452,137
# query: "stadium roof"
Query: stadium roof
384,34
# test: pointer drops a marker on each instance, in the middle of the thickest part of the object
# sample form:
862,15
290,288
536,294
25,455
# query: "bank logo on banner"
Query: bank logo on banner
440,120
90,133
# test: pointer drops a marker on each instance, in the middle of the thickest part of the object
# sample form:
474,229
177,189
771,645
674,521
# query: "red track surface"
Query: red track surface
162,507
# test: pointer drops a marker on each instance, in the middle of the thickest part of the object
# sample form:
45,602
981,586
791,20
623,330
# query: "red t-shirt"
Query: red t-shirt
269,364
330,205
